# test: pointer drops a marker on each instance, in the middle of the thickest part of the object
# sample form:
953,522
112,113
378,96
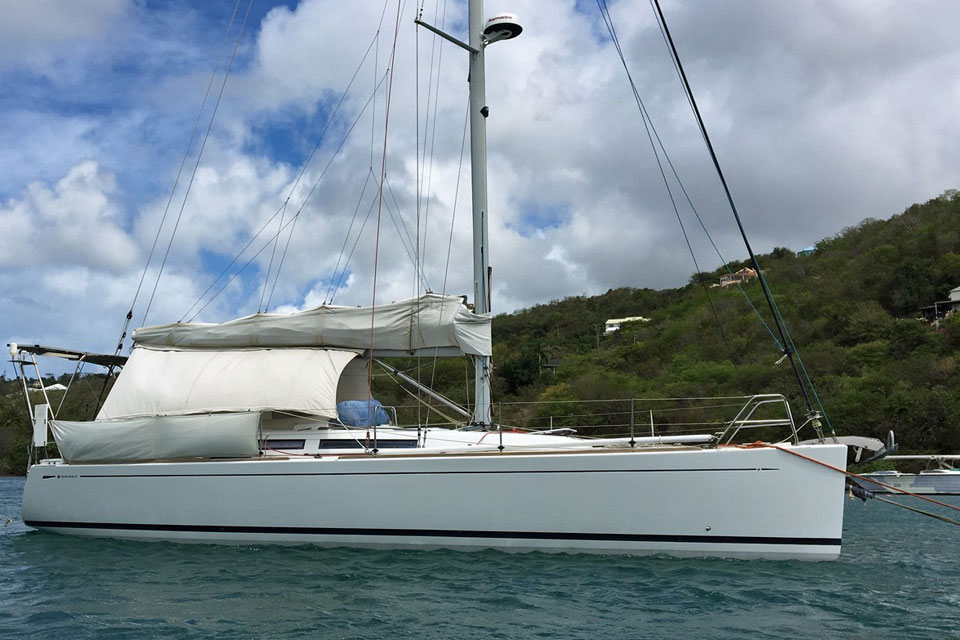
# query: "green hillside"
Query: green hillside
851,306
15,429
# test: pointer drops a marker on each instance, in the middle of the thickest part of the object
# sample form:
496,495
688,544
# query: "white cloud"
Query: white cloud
40,33
821,118
74,223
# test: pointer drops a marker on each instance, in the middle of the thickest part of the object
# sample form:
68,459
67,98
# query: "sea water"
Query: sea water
898,577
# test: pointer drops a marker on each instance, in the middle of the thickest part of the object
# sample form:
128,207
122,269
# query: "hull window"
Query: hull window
350,443
284,444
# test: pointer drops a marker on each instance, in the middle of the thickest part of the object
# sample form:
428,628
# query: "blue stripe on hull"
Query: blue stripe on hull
439,533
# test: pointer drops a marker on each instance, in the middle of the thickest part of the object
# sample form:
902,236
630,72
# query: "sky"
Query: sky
822,112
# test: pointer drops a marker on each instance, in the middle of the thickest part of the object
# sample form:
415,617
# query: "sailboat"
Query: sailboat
263,430
940,477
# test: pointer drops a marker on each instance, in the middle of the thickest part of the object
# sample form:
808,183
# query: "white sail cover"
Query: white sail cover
421,324
159,438
158,382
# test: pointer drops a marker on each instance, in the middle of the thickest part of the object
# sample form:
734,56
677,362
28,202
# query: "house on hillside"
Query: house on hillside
942,308
806,252
613,324
739,277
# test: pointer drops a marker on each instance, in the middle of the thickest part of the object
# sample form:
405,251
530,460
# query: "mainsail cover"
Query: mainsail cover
163,382
430,322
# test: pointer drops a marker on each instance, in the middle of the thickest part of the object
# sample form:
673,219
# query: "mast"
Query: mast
501,27
482,413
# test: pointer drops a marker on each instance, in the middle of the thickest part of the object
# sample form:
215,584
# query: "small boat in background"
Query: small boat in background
940,478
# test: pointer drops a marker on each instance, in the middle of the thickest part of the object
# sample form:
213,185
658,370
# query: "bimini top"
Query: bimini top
429,324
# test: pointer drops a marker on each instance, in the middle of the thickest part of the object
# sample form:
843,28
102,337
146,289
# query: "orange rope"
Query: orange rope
766,445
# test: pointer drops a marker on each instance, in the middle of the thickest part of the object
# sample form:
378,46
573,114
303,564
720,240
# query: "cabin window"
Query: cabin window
284,444
396,444
350,443
340,443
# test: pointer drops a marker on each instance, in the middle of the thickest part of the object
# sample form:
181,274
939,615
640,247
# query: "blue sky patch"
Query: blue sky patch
289,135
538,216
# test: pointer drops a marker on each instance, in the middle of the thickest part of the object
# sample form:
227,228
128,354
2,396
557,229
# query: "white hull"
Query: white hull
726,502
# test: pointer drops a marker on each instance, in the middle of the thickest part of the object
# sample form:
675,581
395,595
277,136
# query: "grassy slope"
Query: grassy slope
851,308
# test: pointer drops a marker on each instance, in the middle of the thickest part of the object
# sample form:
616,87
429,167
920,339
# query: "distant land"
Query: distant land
852,306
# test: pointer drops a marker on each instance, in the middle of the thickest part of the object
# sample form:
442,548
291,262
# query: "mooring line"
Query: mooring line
921,511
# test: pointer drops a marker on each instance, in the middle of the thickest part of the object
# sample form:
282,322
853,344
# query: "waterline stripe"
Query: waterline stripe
70,475
437,533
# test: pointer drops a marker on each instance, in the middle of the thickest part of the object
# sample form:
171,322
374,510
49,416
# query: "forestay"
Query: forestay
429,324
158,382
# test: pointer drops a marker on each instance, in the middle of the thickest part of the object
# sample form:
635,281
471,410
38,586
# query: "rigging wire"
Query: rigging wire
334,282
283,255
267,243
176,182
166,209
696,213
241,269
299,178
356,241
453,217
310,158
402,232
763,322
648,125
419,193
763,283
703,226
273,253
291,221
376,67
227,268
420,401
405,238
416,120
430,125
424,169
196,165
383,171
